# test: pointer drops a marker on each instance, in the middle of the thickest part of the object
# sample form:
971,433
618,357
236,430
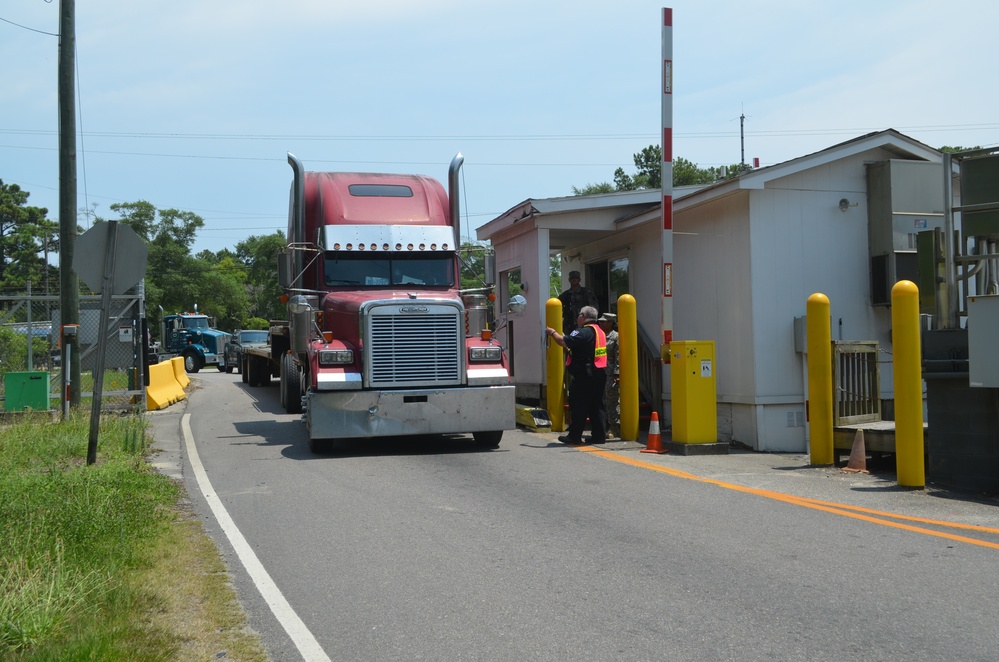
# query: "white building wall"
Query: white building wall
713,297
518,250
802,243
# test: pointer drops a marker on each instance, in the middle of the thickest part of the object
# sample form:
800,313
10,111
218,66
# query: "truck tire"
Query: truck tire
226,365
192,362
489,439
282,387
221,366
291,385
253,370
242,368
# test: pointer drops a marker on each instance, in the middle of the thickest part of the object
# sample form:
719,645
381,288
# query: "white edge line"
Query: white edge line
286,616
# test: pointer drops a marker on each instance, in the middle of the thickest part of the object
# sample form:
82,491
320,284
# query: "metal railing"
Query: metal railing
650,373
856,382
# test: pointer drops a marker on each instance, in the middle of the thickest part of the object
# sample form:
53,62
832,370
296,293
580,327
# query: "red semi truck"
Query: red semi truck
379,342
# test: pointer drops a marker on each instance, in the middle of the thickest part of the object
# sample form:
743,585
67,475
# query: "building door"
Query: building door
608,280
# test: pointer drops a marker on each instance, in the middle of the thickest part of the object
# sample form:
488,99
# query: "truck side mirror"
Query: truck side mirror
517,304
284,269
490,269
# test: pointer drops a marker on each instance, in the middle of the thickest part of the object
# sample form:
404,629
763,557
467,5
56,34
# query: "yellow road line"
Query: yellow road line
855,512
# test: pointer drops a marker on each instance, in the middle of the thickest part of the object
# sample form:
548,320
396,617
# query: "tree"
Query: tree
472,260
26,236
258,257
175,279
648,163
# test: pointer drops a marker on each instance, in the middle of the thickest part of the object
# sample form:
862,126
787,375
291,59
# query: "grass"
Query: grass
105,562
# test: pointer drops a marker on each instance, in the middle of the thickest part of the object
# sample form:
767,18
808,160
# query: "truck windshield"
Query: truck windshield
380,270
195,322
253,336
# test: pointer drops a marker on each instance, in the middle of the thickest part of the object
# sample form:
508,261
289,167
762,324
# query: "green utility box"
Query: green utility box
26,390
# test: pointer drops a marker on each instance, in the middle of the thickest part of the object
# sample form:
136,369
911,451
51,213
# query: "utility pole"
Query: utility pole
69,295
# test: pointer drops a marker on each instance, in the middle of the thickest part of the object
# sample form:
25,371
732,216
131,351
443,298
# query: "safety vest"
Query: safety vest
599,348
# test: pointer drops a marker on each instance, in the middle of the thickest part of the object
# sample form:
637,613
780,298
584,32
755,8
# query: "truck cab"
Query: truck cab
190,335
379,339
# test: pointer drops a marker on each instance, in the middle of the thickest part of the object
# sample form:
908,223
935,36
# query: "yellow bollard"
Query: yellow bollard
555,366
820,386
908,385
627,343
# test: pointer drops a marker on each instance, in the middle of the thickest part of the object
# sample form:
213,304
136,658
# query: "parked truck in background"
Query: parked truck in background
191,336
378,340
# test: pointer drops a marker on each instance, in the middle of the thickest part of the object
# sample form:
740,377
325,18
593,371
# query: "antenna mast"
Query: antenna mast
742,142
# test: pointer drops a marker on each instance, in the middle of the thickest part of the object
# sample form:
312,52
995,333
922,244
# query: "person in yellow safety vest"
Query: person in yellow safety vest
587,365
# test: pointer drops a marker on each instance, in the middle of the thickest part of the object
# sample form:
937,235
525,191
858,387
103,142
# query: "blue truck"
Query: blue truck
191,336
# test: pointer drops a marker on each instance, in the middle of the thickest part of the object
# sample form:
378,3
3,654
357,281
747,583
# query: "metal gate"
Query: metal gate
29,344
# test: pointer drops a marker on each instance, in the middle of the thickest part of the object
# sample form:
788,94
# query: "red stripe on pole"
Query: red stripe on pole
667,212
667,144
668,335
668,17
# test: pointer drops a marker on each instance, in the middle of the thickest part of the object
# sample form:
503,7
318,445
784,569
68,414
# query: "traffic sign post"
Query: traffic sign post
120,264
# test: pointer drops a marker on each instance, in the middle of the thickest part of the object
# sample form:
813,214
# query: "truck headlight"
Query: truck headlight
485,354
336,357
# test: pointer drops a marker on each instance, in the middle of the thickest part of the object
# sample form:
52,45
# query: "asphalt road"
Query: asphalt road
437,550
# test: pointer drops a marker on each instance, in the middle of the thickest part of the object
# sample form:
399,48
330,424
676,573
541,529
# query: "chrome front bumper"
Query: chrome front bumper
348,414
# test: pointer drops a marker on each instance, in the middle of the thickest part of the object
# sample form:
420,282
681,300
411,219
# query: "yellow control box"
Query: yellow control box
692,376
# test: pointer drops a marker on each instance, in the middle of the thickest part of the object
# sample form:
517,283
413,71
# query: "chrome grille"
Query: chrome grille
414,349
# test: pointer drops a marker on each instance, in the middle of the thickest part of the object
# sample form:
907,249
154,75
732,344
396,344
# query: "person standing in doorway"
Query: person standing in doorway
573,300
586,362
612,392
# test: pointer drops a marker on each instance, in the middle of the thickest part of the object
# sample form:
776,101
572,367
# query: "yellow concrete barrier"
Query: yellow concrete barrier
163,389
178,371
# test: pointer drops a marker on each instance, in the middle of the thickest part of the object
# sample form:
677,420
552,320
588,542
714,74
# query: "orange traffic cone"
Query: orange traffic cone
655,443
858,455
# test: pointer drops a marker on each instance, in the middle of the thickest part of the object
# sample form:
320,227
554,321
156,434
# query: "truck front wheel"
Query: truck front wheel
192,362
489,439
291,385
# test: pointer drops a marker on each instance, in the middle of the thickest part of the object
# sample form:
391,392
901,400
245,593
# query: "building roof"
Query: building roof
605,213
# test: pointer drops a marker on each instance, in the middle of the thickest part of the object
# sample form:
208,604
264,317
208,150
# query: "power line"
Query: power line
25,27
507,137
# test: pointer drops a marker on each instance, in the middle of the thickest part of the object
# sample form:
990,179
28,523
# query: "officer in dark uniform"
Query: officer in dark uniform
587,365
573,300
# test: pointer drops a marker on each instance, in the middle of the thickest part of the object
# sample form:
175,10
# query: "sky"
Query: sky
194,105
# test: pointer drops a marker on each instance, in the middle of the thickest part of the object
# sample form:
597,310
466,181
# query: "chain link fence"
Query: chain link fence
31,373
